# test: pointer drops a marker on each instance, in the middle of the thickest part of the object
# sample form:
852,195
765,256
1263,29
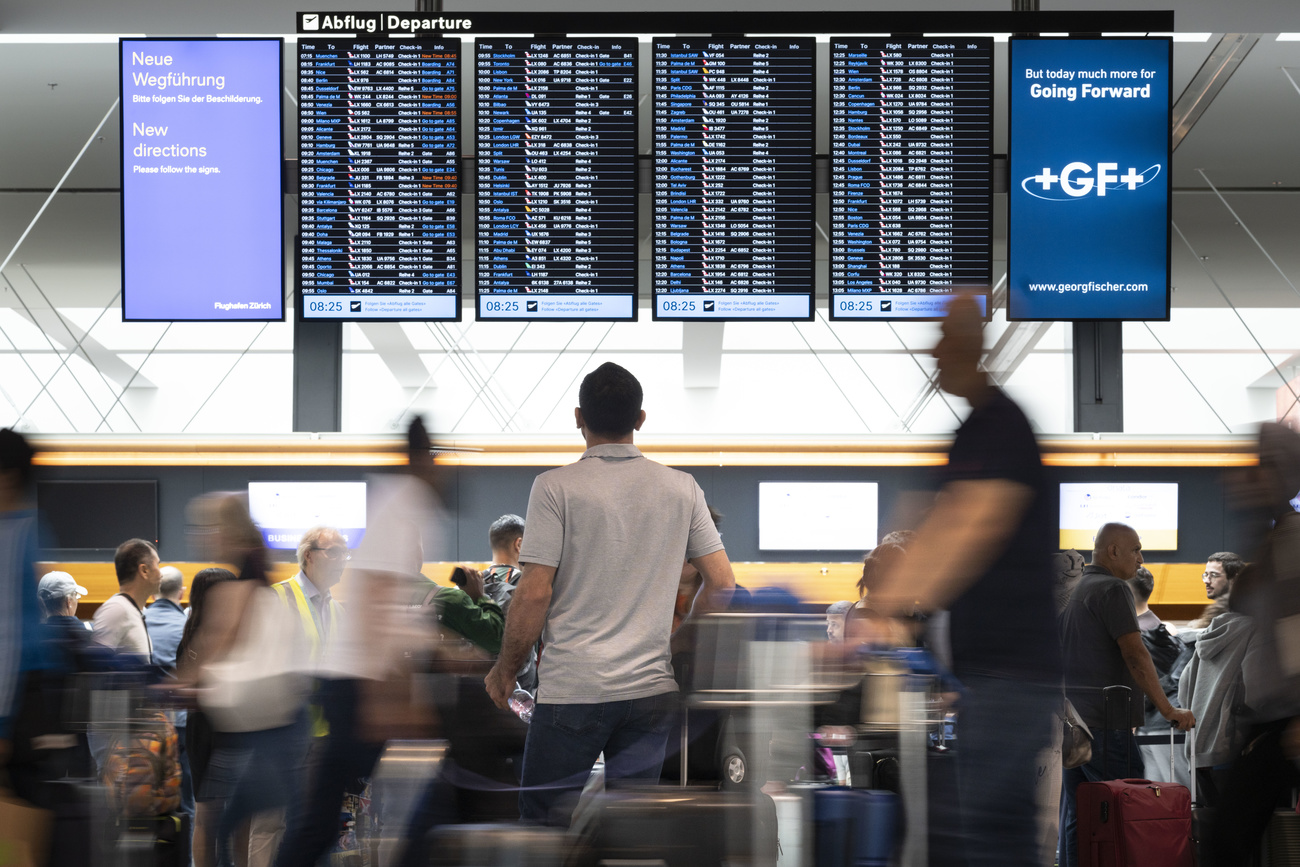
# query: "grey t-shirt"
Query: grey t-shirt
1100,611
616,527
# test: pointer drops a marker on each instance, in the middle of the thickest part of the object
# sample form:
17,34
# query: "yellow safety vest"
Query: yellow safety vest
284,589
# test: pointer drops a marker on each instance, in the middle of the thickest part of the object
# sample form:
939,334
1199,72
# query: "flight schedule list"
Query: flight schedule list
556,214
733,185
911,163
378,134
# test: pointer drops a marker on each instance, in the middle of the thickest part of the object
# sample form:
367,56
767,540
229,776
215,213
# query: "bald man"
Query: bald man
1102,647
985,554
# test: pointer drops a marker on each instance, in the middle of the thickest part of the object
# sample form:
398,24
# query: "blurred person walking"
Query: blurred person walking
199,734
984,554
246,678
602,558
164,620
1269,592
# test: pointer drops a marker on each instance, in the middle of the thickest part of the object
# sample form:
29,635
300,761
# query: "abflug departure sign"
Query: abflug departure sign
1088,171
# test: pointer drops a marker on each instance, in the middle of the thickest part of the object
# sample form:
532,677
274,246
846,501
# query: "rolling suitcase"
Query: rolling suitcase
1134,822
854,827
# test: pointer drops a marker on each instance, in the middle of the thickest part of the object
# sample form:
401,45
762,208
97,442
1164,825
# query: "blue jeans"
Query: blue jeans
564,741
1003,725
1123,759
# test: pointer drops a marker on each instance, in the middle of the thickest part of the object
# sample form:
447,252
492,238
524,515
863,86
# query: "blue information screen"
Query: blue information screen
1088,172
202,200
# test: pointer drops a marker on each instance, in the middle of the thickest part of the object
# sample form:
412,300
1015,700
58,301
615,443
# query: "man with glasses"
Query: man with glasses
1220,571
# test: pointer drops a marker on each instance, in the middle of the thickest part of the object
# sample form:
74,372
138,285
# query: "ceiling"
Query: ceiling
1245,144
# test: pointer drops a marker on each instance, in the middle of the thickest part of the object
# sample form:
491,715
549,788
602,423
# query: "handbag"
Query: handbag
262,683
1076,737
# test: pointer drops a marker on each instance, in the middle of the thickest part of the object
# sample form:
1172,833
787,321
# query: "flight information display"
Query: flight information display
379,121
733,178
911,174
556,133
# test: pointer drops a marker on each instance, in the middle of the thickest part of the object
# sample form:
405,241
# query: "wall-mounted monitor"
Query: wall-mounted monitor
733,178
1151,508
285,510
556,132
1088,174
911,174
818,516
98,515
379,209
202,188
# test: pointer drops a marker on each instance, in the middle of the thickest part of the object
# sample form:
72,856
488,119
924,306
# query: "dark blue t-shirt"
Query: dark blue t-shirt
1005,623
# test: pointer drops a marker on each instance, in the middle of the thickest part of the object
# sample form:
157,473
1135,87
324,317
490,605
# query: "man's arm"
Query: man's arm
1138,660
477,619
971,525
528,606
719,582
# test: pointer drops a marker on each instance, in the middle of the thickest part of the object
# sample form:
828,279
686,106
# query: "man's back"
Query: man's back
617,528
164,620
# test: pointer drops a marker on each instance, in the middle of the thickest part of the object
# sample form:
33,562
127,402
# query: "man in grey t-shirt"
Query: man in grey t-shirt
1101,646
602,554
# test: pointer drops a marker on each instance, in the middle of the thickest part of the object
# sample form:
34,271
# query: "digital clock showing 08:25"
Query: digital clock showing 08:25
684,306
501,306
325,306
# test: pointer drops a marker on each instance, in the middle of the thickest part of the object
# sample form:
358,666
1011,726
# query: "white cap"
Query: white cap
59,585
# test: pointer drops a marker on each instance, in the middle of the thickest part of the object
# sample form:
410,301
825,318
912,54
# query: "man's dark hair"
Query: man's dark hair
16,454
610,400
1143,584
1232,564
504,531
130,554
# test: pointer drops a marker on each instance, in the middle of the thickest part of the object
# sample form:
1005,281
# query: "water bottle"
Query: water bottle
521,702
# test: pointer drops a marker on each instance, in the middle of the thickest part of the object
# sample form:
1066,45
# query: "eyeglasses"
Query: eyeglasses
1211,574
335,553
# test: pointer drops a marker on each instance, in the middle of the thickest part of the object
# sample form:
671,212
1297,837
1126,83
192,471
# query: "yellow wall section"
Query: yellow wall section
1152,540
1176,583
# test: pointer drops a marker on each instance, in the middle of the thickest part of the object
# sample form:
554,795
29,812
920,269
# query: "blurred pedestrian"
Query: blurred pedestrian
984,553
1269,765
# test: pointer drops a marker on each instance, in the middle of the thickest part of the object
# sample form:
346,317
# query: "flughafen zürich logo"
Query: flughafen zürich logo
1078,180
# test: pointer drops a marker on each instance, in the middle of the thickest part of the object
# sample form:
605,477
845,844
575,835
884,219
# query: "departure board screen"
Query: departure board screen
378,134
556,135
733,178
911,174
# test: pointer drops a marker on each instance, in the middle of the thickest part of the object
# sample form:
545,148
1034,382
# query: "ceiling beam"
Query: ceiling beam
1205,85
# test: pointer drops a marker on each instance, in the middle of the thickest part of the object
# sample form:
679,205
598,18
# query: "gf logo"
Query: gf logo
1077,180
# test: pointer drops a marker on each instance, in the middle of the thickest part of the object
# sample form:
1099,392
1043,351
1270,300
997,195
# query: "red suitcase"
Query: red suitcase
1134,822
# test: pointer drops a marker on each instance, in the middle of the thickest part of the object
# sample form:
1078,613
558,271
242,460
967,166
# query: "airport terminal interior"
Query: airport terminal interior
814,421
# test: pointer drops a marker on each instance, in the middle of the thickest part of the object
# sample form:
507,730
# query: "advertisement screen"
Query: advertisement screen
1151,508
284,511
818,516
202,200
1088,173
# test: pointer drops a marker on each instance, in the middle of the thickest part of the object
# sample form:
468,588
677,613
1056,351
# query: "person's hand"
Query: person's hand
473,585
1181,718
500,686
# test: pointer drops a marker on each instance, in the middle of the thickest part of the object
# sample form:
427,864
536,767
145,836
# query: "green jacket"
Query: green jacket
481,622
